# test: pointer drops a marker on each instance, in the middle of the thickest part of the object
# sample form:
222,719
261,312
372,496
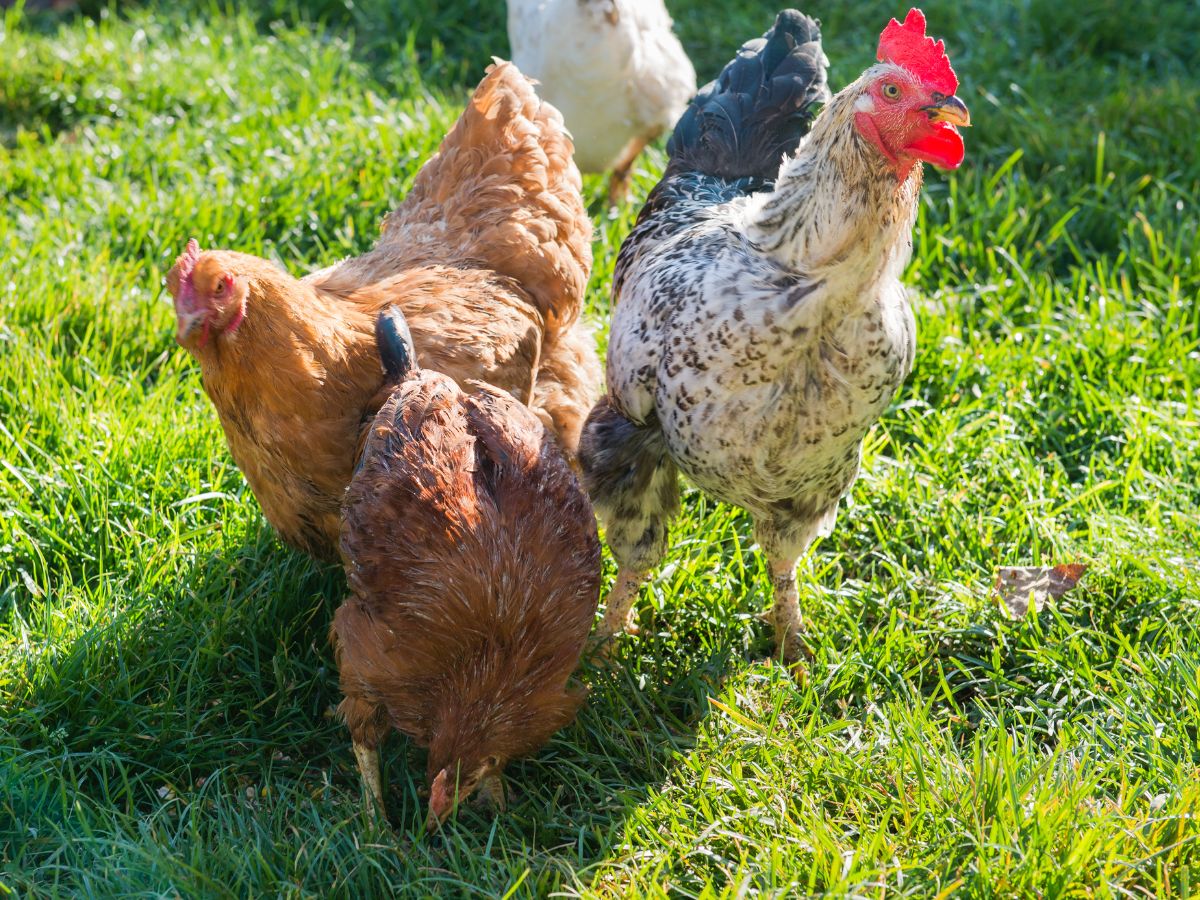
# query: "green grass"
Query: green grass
165,683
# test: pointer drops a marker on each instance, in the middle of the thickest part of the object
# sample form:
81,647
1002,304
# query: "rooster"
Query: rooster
760,324
488,257
615,69
474,569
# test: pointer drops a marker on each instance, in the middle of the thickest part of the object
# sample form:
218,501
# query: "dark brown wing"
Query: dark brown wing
548,526
466,539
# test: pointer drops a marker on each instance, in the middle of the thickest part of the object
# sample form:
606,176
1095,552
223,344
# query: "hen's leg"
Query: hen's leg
634,487
368,725
618,183
368,766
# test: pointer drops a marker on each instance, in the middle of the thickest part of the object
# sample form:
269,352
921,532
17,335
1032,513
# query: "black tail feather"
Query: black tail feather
633,483
396,350
760,106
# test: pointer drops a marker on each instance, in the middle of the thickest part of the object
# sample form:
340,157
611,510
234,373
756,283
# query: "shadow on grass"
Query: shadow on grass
221,689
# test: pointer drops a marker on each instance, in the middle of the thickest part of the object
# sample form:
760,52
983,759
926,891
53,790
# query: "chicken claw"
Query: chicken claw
492,793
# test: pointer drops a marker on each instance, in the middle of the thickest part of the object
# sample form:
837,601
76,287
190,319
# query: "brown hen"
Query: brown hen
488,257
474,569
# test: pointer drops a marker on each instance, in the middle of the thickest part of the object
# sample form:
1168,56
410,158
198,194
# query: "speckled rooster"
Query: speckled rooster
760,325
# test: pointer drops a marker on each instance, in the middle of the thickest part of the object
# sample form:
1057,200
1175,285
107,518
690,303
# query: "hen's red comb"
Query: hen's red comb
187,261
906,45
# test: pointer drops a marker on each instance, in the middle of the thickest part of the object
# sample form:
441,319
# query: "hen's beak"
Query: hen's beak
950,110
433,821
186,323
441,802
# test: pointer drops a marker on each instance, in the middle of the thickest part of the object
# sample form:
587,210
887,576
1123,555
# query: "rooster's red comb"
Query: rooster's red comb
906,45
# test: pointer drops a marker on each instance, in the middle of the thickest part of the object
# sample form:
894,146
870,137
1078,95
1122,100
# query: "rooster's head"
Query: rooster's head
209,299
906,107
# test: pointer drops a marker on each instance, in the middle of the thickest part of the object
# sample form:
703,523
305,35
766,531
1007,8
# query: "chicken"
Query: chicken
614,68
488,257
474,569
760,324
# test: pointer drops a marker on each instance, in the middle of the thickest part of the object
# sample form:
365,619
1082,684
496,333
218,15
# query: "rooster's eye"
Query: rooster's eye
890,91
219,289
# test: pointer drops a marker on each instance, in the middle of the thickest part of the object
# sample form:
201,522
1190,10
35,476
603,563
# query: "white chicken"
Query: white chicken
614,69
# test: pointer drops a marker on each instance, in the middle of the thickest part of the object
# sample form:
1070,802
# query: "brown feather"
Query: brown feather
474,569
502,193
487,257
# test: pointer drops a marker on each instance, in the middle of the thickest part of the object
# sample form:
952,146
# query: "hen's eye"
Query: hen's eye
890,91
219,289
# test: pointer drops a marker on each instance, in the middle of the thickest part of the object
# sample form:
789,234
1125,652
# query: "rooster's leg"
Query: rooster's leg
785,612
618,184
784,537
620,615
368,766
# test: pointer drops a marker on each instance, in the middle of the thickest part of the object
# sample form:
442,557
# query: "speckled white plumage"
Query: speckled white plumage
769,332
614,68
760,326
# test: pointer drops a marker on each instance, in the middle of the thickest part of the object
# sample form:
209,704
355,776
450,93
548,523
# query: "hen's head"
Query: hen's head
477,736
906,106
457,782
210,299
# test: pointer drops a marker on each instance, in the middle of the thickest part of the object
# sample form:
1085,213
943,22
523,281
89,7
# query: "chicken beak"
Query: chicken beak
950,110
433,822
186,323
441,802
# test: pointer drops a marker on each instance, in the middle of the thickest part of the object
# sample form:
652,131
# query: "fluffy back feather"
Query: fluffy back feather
502,193
759,107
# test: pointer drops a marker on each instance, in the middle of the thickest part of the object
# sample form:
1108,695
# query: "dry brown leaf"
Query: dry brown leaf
1023,587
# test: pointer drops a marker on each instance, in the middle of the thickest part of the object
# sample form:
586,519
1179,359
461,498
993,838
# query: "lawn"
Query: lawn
166,688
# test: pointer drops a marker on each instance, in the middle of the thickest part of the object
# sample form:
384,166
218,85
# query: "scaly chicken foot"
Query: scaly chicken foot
368,766
790,644
491,793
620,615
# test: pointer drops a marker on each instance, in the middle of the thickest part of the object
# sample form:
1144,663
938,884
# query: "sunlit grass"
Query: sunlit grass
165,681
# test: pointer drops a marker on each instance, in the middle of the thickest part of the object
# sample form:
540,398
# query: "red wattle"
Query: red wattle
943,147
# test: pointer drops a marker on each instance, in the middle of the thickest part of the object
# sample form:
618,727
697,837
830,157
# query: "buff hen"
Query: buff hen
488,257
